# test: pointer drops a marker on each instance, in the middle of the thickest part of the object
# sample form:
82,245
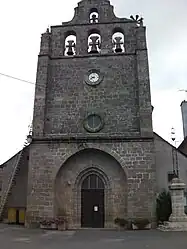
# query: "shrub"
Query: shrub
116,221
121,222
163,207
46,222
141,223
60,221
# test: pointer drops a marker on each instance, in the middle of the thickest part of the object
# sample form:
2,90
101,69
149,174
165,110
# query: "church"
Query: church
93,155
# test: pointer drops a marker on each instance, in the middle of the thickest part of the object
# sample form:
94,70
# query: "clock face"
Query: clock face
93,77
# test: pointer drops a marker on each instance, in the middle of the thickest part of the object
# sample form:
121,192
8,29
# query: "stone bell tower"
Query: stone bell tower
92,125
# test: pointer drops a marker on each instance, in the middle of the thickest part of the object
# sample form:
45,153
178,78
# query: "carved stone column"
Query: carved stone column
178,218
177,188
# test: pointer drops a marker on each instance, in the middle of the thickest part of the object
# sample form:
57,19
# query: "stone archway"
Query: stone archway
73,173
102,199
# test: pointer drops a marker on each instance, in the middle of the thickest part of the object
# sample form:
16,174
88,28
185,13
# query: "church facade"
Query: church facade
93,154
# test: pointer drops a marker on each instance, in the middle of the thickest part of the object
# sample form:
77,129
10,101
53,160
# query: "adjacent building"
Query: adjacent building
184,117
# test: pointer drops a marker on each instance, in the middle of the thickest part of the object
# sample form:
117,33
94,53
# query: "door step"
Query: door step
97,229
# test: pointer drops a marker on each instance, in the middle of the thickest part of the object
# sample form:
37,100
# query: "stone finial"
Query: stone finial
94,44
45,46
138,20
177,184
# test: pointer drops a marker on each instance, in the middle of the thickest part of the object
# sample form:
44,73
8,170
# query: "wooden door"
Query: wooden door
12,215
21,216
92,202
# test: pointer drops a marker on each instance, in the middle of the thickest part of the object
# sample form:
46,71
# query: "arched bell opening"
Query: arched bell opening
94,42
118,41
94,15
70,43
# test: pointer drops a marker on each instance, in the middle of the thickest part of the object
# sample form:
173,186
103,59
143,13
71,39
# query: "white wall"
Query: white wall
164,164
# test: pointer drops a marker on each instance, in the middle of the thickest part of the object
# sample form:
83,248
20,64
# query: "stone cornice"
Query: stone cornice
90,139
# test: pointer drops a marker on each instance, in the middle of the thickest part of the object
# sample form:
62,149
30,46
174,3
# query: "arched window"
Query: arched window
94,16
93,181
70,43
118,41
94,42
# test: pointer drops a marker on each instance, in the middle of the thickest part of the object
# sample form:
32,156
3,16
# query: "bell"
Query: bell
118,44
94,19
94,45
70,47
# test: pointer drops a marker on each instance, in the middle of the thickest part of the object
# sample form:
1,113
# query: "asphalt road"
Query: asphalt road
20,238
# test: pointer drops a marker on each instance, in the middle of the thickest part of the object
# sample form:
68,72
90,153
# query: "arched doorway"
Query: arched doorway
73,178
92,202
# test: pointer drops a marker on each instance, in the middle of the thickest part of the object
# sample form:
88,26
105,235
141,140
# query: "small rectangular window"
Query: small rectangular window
185,202
185,198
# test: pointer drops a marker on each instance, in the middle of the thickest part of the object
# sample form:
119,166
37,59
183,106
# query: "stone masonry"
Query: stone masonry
177,195
63,152
139,179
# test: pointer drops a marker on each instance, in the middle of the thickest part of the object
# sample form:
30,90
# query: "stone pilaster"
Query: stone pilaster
145,107
41,85
177,188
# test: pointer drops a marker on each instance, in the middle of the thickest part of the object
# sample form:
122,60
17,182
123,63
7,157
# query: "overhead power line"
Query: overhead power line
18,79
12,77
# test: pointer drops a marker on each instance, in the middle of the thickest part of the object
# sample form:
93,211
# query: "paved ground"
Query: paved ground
19,238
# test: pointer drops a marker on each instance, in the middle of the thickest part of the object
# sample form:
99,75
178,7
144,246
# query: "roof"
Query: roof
178,149
3,164
184,142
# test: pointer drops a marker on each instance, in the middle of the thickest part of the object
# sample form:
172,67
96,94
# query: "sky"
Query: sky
21,25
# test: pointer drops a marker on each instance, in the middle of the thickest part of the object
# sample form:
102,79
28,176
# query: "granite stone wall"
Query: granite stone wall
132,162
63,99
70,100
62,102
